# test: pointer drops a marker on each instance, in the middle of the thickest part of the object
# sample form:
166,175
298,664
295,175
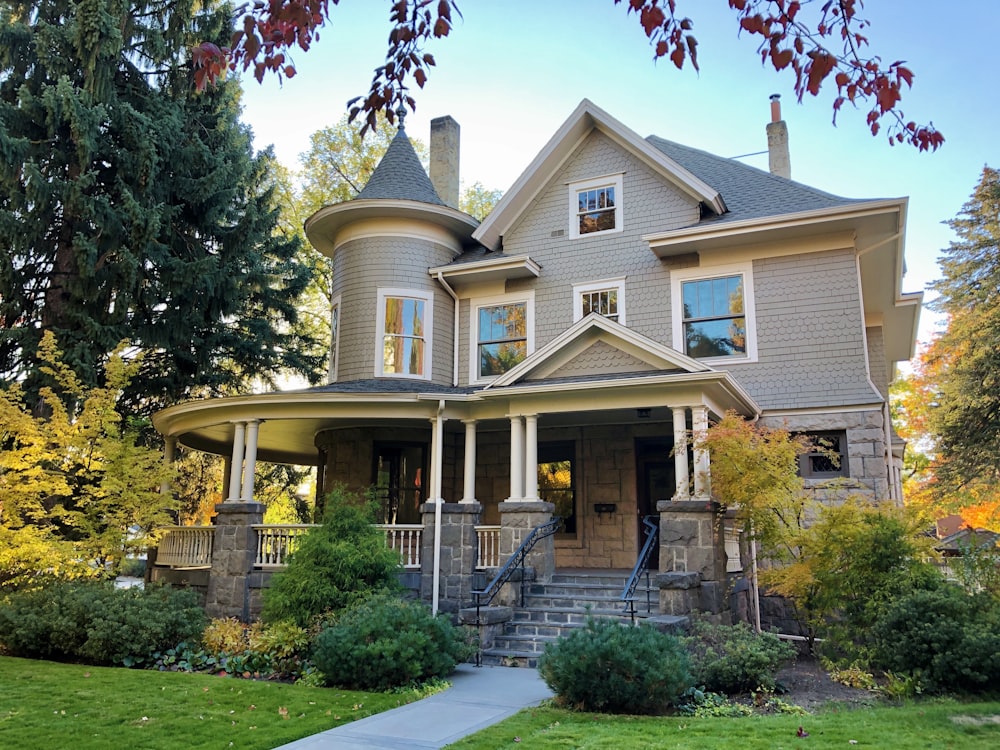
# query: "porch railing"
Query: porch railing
489,547
191,546
407,538
275,542
186,547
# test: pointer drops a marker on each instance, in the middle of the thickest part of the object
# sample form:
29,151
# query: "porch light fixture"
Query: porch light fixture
643,413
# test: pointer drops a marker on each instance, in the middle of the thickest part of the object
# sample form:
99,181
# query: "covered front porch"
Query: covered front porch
601,450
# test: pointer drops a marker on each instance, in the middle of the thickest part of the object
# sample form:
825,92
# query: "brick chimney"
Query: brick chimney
777,141
444,159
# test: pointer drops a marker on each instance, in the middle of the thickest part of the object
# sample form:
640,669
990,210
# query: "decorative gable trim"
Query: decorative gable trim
582,335
585,118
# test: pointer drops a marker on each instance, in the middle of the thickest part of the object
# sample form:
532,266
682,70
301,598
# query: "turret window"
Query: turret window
404,325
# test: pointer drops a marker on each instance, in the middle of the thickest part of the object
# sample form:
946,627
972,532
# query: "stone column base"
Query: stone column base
234,550
459,552
517,519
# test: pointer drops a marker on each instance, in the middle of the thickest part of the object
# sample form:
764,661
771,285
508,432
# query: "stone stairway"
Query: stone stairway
553,609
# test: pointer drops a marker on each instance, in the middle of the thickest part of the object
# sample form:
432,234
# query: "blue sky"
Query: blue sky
513,70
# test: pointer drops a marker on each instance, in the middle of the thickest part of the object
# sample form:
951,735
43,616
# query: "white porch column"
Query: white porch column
681,478
516,458
169,452
531,457
437,458
469,474
236,467
702,476
250,461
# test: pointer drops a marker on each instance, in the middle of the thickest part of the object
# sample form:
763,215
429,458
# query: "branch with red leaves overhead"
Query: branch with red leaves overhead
791,42
791,39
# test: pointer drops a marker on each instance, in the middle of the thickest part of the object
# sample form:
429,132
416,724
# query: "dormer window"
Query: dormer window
404,329
595,206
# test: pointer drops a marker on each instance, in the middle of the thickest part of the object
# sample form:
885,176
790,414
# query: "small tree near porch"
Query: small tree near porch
754,472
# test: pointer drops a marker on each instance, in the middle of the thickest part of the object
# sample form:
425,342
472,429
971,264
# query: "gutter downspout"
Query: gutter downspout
454,373
436,489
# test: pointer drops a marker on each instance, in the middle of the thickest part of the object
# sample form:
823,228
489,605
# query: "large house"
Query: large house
625,292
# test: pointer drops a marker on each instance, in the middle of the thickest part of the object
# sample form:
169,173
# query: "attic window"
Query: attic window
595,206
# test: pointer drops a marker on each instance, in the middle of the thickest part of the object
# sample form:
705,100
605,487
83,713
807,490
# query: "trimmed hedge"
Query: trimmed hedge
95,623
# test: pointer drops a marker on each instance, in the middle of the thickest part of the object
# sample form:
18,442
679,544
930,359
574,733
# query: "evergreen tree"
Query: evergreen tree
133,208
965,413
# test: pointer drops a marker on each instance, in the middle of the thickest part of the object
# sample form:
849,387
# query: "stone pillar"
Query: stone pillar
680,454
531,457
236,467
233,552
517,519
516,459
250,461
693,558
459,549
469,475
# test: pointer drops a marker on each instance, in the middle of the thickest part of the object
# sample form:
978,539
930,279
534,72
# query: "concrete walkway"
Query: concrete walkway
478,698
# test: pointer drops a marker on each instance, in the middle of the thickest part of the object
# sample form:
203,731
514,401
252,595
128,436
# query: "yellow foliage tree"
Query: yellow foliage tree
77,489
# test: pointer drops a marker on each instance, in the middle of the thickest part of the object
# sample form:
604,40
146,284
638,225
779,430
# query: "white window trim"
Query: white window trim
528,297
428,298
335,343
617,284
613,180
713,272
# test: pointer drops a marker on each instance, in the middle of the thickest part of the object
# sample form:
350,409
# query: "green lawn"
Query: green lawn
938,724
49,705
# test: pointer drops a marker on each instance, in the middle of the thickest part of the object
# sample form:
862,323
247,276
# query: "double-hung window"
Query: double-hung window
605,298
713,313
503,335
404,329
595,206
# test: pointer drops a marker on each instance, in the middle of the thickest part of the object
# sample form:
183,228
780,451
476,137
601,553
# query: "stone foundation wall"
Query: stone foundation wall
866,454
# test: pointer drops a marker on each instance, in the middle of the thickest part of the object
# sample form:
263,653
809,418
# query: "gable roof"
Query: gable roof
750,193
583,334
400,175
585,118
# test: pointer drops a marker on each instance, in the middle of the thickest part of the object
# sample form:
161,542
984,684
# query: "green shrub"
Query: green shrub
944,637
276,649
96,623
735,659
387,642
615,668
338,564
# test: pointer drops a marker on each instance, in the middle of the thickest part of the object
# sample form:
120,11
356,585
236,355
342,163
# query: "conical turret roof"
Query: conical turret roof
400,175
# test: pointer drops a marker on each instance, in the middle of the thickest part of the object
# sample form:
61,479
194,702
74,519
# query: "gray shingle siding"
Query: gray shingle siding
876,359
809,333
360,268
649,205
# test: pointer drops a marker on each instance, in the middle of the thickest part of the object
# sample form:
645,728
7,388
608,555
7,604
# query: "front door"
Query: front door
399,472
655,477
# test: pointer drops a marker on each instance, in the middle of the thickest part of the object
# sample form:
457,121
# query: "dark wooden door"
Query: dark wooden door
655,479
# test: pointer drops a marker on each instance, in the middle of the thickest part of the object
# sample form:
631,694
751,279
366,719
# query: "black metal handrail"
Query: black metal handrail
505,573
641,566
